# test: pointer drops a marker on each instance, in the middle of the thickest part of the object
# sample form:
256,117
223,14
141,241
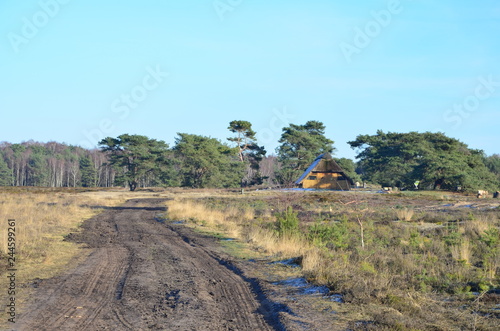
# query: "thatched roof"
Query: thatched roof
329,166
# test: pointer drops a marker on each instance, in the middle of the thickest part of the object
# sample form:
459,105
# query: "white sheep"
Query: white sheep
482,194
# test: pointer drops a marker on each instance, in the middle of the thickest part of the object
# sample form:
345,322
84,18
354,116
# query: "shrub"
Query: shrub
491,237
287,222
330,235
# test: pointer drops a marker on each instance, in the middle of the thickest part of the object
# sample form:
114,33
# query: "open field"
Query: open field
412,260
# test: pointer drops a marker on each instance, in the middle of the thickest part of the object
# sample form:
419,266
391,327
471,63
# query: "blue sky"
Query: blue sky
75,71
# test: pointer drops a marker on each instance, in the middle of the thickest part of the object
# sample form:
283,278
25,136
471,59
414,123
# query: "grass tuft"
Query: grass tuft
405,214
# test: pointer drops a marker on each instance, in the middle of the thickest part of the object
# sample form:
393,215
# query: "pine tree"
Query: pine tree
135,155
88,172
300,145
5,173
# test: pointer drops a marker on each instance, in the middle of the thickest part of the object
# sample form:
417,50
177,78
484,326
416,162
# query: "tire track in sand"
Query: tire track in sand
95,280
143,274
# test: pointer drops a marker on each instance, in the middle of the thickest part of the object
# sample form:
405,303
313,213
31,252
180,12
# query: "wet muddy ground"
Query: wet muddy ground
142,274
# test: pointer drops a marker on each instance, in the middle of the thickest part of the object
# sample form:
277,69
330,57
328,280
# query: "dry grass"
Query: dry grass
462,252
42,221
234,222
191,210
405,214
380,274
402,266
261,238
478,226
288,246
317,267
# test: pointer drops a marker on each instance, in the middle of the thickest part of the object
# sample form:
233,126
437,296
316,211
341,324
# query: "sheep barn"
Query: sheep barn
324,173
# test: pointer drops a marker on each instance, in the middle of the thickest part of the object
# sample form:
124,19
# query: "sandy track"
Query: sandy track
143,275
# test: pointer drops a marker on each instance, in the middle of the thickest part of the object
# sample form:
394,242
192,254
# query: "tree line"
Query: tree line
432,160
53,164
390,159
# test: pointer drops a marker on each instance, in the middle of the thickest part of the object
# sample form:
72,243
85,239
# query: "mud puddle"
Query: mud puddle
300,286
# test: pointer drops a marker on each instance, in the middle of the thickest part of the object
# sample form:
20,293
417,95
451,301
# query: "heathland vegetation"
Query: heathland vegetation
406,261
402,261
388,159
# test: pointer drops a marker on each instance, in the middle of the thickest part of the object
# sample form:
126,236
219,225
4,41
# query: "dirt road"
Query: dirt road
146,275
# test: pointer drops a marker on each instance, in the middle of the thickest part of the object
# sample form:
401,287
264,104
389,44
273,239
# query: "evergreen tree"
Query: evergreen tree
37,167
493,163
349,168
88,172
5,173
206,162
433,159
300,145
135,156
248,151
169,174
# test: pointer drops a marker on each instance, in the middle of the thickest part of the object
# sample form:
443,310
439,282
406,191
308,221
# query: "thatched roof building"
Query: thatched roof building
325,173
